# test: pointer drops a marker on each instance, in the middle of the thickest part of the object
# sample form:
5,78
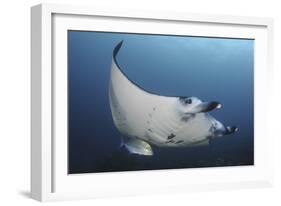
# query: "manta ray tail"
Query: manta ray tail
121,144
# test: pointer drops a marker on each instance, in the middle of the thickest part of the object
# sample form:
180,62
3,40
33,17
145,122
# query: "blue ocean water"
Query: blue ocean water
213,69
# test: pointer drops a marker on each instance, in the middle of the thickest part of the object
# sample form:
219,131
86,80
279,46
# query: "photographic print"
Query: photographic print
154,101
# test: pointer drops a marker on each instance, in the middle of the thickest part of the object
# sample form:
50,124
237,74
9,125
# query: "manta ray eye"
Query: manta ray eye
188,101
185,100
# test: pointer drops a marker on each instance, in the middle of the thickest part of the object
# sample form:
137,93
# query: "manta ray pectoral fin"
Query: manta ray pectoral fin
137,146
207,106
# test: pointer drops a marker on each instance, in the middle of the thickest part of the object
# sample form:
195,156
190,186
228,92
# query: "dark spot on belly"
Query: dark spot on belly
170,141
171,136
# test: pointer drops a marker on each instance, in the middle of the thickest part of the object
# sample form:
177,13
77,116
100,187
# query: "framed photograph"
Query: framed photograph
136,102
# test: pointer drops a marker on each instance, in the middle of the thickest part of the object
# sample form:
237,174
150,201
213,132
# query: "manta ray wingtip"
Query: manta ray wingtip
117,48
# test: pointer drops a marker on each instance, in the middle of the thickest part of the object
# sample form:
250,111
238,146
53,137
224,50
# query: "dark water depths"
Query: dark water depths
213,69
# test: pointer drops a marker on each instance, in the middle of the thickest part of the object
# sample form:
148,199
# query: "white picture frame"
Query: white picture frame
49,178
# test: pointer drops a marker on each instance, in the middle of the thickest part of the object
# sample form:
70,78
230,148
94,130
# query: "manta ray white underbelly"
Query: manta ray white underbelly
144,118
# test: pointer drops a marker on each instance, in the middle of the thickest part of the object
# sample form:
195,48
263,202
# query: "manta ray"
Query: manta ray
144,118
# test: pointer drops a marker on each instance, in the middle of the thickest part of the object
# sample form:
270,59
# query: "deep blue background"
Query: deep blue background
213,69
